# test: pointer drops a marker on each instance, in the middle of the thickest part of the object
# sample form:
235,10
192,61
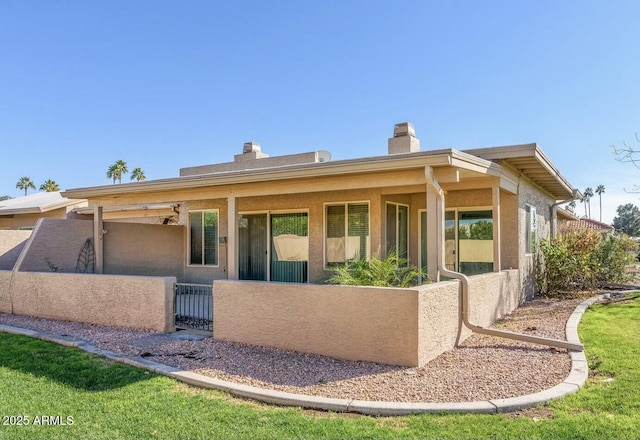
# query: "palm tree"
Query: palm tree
50,186
572,205
583,199
600,191
111,173
25,183
138,174
588,193
116,170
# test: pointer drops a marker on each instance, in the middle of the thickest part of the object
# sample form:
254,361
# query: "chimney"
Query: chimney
404,139
250,150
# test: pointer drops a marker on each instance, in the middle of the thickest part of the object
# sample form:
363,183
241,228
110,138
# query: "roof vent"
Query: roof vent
404,129
404,139
250,150
251,147
323,156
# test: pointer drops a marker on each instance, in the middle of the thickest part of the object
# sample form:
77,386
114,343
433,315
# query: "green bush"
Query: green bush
393,271
583,260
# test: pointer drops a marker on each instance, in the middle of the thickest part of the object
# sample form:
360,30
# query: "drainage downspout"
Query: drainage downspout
464,285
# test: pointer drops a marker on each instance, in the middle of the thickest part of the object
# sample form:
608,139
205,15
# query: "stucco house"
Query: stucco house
263,231
586,223
24,212
289,218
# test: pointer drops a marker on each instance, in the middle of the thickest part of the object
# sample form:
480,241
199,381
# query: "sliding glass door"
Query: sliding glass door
274,247
290,247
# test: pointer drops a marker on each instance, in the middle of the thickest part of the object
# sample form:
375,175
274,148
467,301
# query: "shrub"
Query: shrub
393,271
583,260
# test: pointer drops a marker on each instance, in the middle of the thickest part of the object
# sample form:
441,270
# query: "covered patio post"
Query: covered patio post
497,257
98,237
232,238
433,250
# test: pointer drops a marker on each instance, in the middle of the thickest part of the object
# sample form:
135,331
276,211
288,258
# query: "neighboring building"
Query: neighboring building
586,223
24,212
289,218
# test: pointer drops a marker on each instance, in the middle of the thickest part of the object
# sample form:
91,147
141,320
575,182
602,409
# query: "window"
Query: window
397,230
532,230
203,238
347,232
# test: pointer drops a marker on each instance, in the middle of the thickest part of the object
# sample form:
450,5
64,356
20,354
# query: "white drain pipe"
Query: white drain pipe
464,284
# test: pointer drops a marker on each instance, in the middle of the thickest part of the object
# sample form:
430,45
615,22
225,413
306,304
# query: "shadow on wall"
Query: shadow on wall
529,283
12,242
55,245
144,249
60,245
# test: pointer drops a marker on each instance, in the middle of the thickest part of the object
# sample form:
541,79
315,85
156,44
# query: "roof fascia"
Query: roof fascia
86,210
524,150
436,158
39,209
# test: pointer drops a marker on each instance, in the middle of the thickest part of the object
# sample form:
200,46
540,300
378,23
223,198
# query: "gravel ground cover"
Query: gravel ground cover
481,368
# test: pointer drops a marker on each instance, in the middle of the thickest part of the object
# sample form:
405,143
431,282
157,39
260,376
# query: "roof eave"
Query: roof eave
39,209
437,158
505,153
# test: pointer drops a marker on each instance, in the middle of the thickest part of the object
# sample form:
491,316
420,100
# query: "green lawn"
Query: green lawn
44,385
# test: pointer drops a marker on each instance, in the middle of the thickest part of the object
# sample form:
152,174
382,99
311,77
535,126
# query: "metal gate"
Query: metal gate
194,306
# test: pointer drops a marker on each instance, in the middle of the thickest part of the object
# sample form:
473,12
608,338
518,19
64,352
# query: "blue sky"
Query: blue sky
170,84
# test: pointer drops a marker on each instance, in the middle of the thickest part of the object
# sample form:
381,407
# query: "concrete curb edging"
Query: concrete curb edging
572,383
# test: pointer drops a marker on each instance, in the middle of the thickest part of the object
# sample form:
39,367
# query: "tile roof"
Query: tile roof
587,223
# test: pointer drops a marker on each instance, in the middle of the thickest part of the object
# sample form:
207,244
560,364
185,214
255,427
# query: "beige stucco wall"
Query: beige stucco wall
144,249
394,326
122,301
11,244
57,241
469,198
30,220
129,249
5,297
359,323
532,195
247,161
493,295
509,250
438,319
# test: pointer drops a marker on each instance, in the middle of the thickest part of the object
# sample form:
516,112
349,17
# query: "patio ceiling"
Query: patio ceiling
529,160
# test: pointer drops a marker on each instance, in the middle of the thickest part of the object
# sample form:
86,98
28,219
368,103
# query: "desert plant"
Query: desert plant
52,267
392,271
583,260
614,256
